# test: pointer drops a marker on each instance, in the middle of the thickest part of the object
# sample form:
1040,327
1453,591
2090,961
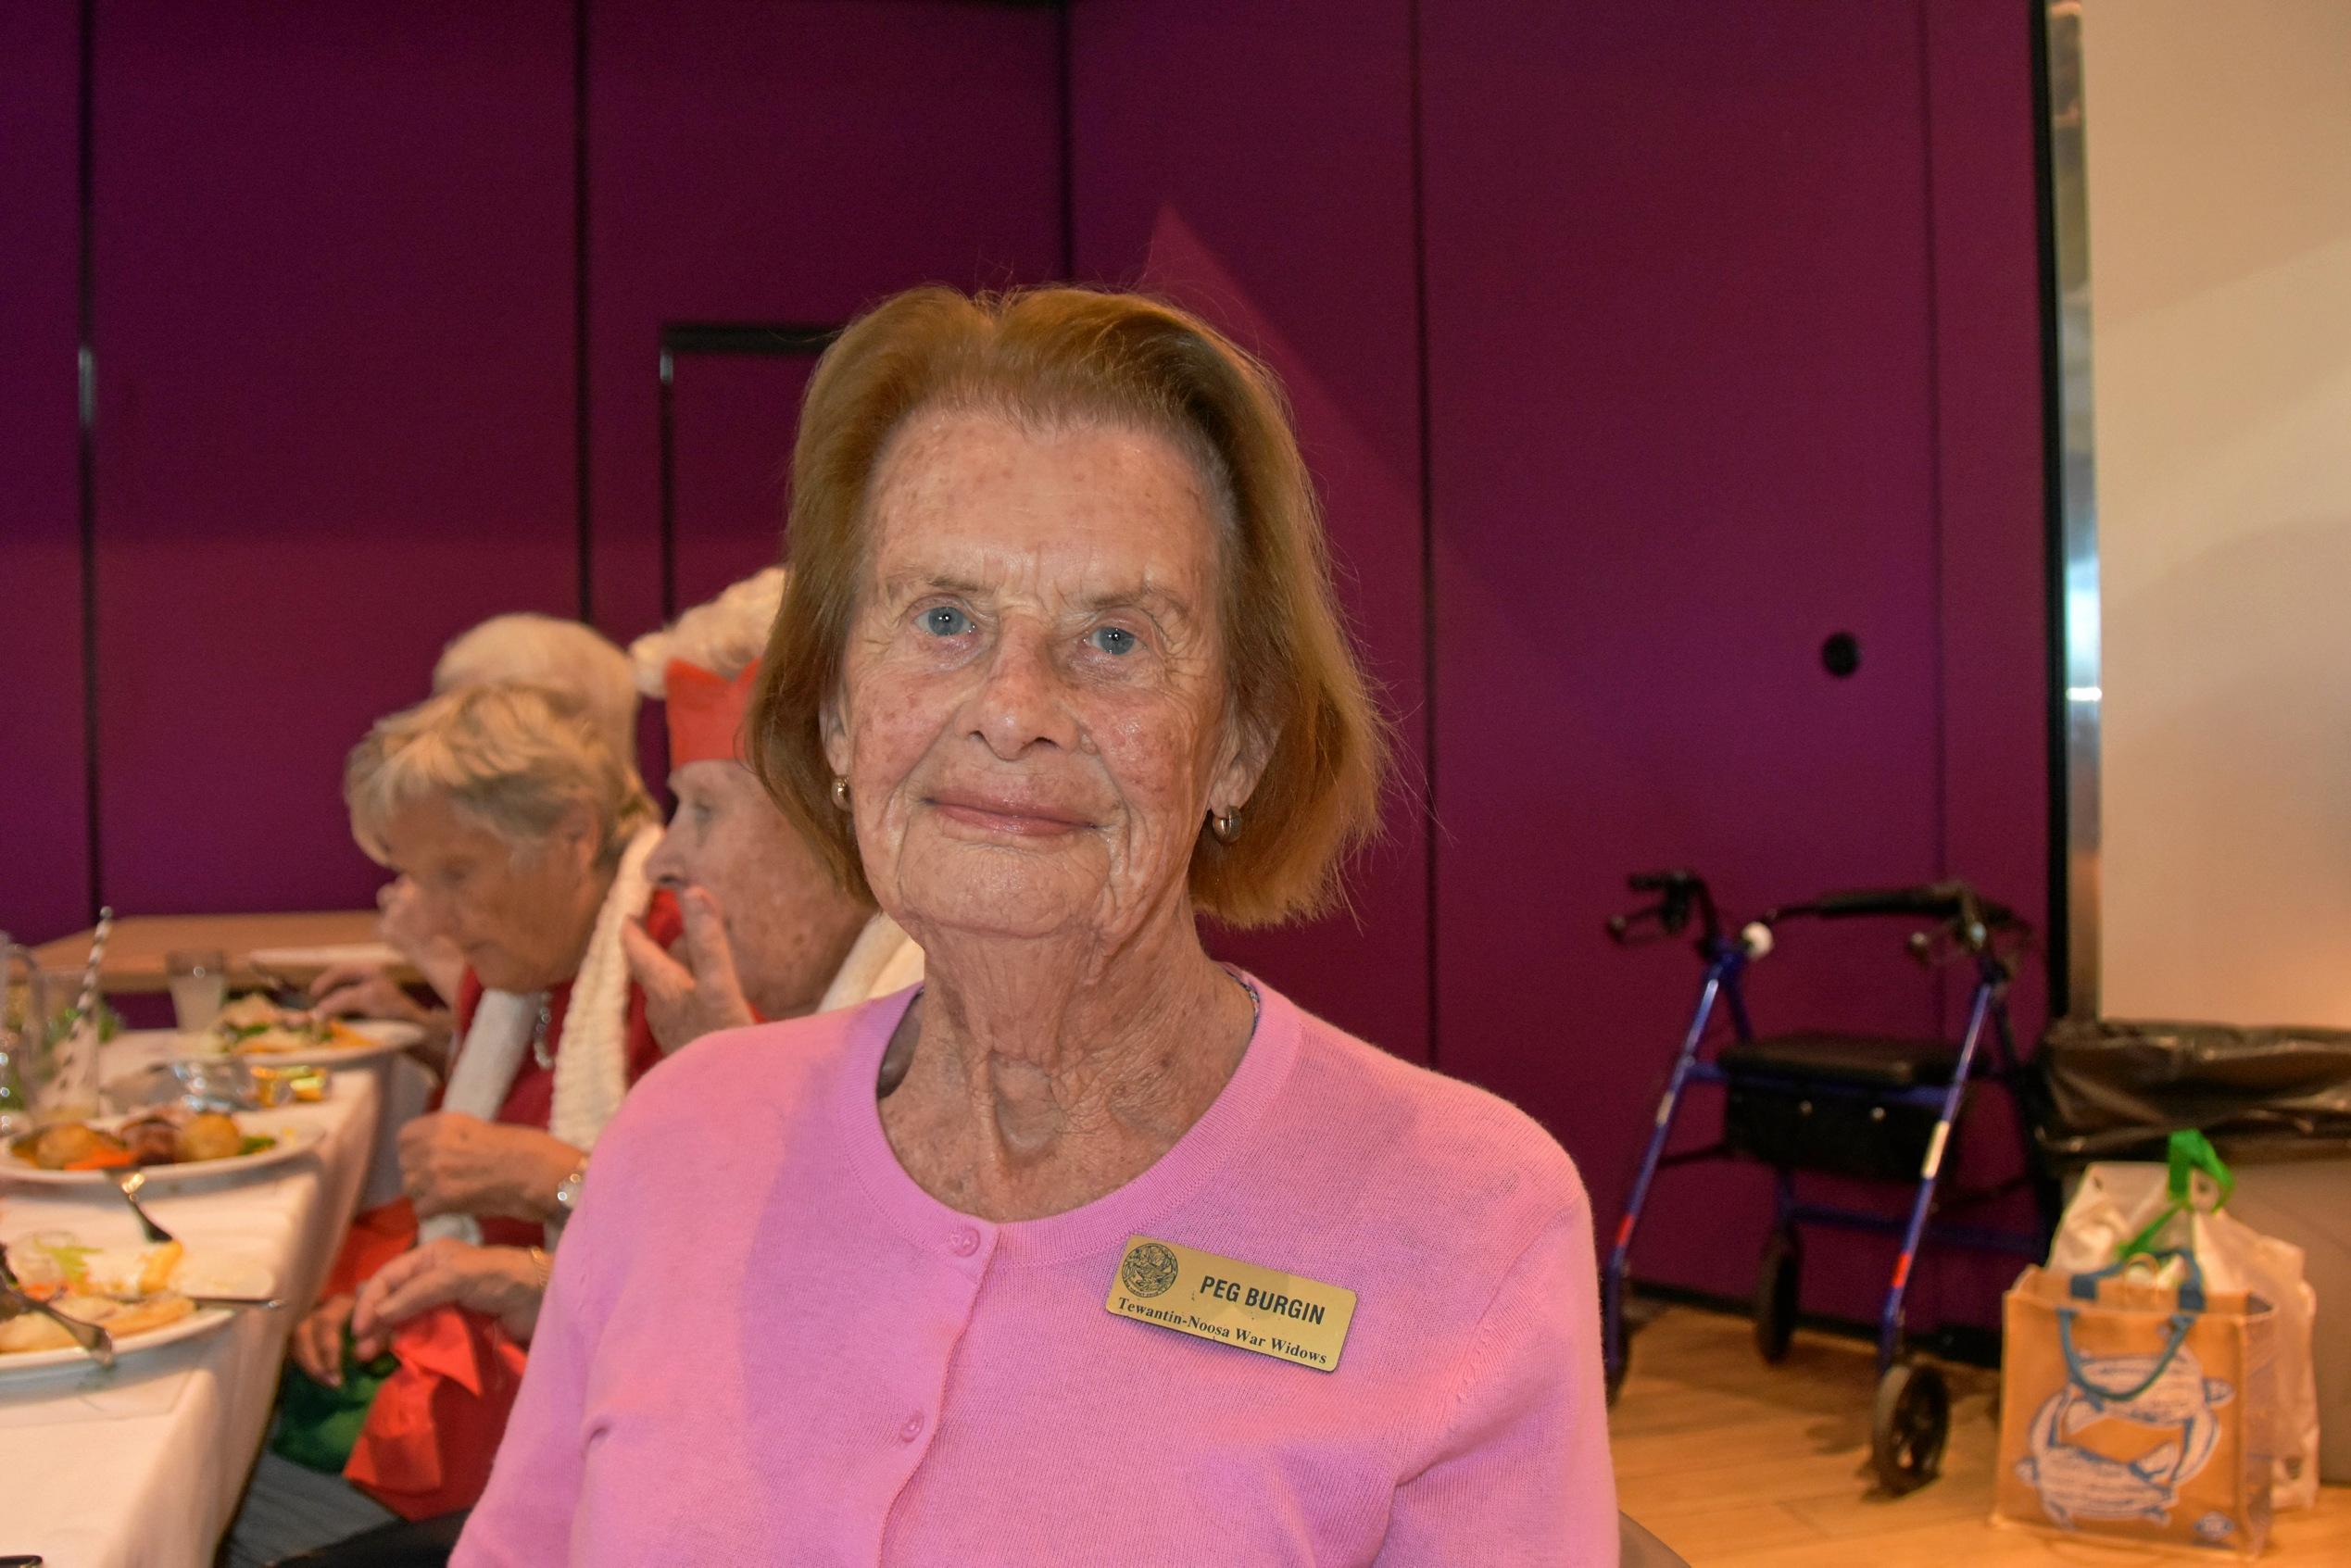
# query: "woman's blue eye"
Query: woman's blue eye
946,622
1114,640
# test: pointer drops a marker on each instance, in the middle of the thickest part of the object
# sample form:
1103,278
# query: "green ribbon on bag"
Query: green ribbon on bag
2191,1151
317,1426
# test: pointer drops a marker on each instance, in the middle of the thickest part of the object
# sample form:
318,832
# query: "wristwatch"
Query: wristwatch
567,1191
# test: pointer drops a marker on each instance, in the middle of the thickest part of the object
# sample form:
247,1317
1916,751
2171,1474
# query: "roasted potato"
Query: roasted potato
209,1135
70,1143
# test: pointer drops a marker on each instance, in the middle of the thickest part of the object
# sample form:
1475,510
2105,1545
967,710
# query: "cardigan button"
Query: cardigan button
912,1429
966,1242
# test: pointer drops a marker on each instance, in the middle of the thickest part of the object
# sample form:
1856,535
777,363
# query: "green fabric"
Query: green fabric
2191,1151
317,1426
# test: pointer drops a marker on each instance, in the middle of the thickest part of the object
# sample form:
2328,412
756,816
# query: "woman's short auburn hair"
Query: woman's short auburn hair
1052,358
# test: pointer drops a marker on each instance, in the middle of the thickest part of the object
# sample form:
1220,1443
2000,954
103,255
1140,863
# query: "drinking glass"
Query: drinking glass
199,984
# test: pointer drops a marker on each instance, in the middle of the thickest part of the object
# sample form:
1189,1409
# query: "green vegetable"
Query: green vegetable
254,1145
72,1260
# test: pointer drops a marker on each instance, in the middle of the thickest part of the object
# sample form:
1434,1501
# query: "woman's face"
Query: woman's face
520,915
787,921
1033,717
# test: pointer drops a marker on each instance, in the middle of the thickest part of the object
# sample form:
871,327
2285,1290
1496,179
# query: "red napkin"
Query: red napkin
435,1423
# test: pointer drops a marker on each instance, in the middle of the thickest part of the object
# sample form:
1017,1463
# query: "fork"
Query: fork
283,992
128,1183
96,1341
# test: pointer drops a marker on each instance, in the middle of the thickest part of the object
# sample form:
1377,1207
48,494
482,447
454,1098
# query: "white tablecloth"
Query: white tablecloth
142,1467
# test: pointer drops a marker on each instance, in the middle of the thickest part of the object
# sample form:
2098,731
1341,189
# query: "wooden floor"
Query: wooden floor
1735,1463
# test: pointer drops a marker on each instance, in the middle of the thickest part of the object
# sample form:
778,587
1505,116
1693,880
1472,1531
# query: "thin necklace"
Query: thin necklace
1256,1002
540,1053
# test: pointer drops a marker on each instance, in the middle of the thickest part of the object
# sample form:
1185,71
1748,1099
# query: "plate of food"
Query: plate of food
141,1295
258,1029
170,1144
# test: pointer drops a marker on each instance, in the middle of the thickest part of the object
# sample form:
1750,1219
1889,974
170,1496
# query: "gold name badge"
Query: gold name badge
1286,1316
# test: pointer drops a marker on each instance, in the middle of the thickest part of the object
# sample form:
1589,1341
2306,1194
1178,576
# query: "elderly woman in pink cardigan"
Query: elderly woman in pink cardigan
1092,1249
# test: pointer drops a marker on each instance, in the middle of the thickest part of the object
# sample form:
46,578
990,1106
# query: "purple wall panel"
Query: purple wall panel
1680,379
1989,481
1988,386
753,162
1306,257
733,418
335,427
44,872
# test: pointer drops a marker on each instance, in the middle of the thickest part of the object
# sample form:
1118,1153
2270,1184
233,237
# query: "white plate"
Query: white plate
295,1140
387,1036
213,1274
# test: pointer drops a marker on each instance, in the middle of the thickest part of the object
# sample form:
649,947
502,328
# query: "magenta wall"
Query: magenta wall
750,162
1732,344
45,870
733,420
1307,258
1992,527
337,307
333,331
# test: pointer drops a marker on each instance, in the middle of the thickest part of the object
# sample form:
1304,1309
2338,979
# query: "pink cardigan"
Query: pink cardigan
765,1343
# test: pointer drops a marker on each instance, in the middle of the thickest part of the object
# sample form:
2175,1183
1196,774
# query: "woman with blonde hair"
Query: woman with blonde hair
1090,1249
590,674
527,840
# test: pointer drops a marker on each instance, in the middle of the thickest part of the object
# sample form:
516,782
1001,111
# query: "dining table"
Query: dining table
260,950
142,1466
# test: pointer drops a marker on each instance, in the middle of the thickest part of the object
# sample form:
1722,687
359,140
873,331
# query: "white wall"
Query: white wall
2219,142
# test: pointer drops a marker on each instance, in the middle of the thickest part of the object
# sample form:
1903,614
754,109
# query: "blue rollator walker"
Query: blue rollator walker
1873,1107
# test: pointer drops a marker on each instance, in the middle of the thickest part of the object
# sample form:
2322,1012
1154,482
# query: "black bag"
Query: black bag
2116,1089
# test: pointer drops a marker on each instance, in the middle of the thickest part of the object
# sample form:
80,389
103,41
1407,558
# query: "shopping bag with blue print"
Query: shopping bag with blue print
2138,1406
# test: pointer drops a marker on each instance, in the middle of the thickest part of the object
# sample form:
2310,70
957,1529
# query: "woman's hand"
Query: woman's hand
408,925
316,1345
354,990
451,1163
701,996
499,1281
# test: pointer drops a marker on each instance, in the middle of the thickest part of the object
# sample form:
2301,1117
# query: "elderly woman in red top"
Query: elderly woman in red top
527,838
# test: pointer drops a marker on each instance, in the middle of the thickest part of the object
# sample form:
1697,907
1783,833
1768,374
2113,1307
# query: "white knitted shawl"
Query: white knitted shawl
591,1064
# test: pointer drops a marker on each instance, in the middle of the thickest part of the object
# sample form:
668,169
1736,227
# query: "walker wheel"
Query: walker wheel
1776,1285
1909,1426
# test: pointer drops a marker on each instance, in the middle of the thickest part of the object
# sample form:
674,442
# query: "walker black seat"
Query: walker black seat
1877,1061
1826,1102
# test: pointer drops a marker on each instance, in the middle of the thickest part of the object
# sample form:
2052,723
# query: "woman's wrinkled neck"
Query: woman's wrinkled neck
1040,1074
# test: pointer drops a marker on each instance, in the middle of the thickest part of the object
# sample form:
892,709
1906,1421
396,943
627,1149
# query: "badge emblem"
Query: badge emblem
1149,1270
